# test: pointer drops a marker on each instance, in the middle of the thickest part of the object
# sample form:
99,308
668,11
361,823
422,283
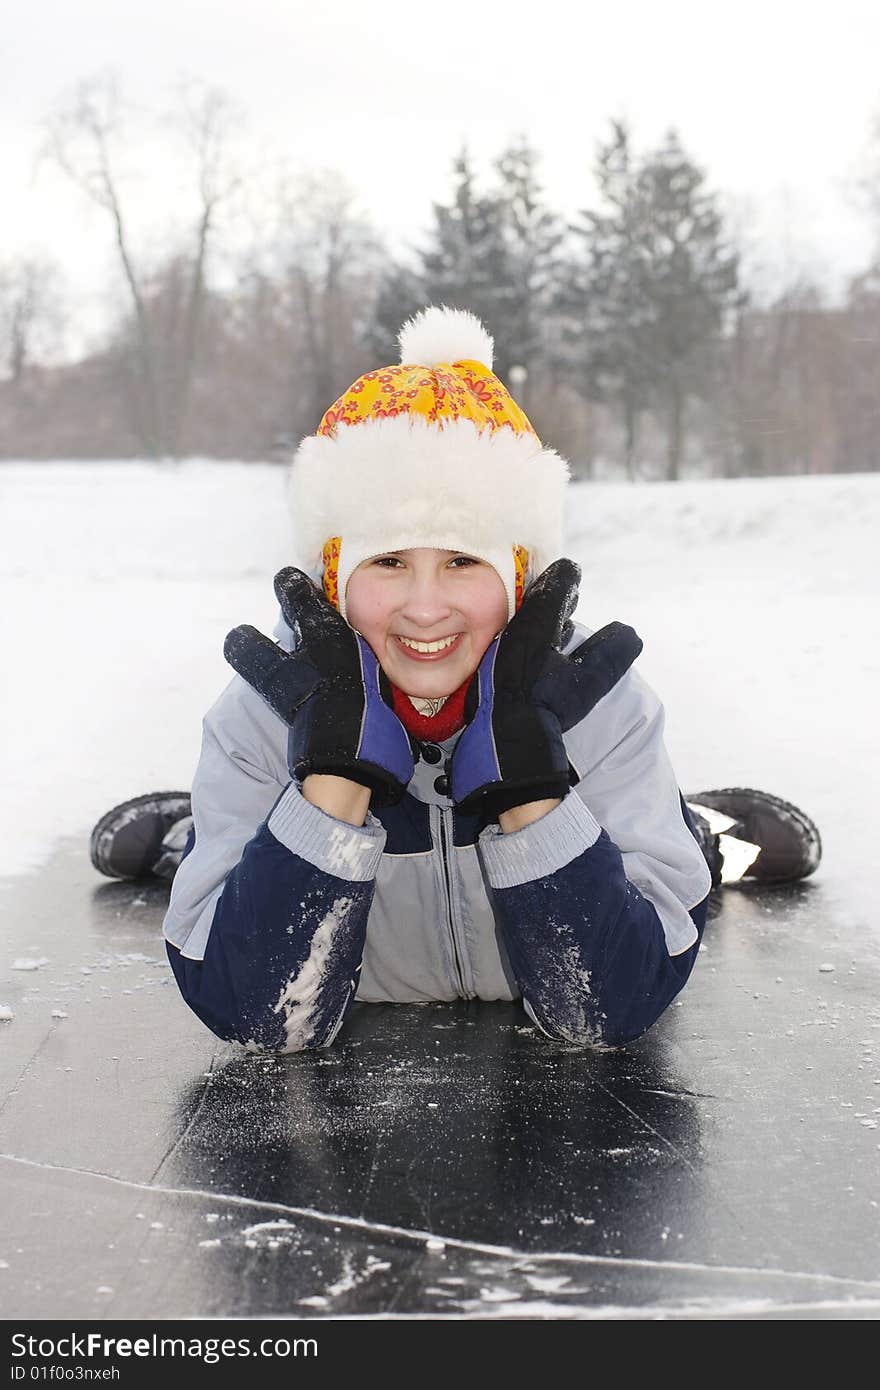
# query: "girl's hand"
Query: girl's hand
331,691
526,694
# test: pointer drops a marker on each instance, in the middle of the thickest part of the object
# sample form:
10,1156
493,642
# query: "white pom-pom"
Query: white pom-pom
438,335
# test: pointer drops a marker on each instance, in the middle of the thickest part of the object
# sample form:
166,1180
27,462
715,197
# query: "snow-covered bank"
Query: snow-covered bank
757,601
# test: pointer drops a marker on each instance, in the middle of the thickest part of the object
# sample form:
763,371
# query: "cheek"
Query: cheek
366,607
489,610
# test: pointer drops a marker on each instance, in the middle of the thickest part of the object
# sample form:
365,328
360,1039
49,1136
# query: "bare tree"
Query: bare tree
205,118
31,313
328,258
82,137
85,137
863,184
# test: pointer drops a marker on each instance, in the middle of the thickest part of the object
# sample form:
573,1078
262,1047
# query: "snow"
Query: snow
756,600
345,852
300,996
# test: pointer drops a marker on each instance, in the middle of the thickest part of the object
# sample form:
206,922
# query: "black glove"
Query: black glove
526,694
330,690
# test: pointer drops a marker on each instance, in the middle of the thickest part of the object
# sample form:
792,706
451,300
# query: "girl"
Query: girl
432,784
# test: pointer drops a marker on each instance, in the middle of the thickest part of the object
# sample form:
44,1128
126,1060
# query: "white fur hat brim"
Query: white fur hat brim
401,482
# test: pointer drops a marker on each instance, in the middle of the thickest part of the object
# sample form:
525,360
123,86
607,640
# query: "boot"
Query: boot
789,845
139,838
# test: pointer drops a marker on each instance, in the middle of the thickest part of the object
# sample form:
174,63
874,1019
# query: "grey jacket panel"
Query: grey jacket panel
628,783
432,932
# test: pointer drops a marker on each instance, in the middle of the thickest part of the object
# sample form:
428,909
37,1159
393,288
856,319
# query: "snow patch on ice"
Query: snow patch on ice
547,1283
30,962
347,1281
261,1228
351,1277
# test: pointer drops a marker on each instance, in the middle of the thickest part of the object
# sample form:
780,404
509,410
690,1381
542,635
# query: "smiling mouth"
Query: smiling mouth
440,647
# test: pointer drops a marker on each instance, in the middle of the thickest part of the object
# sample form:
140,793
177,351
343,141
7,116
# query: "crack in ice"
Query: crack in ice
504,1252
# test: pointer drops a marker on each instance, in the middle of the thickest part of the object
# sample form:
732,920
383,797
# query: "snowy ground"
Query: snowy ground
757,601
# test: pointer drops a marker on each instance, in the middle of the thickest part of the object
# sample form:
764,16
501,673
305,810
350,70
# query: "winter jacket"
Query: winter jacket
280,915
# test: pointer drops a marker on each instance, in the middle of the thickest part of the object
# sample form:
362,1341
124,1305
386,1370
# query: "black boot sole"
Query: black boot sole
127,841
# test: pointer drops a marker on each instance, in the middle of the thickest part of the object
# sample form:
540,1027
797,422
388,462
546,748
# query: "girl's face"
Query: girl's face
429,616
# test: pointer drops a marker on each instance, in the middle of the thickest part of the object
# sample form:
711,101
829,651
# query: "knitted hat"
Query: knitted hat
436,454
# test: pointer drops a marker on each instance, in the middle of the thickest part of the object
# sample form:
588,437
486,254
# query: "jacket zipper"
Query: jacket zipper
450,914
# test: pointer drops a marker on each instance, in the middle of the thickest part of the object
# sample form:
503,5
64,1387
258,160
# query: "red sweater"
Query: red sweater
431,728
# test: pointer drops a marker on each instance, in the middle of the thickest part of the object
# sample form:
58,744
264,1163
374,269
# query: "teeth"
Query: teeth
429,646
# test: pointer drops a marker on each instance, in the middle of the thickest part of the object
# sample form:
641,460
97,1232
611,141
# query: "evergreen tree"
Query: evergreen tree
400,294
491,252
694,284
650,299
459,266
465,262
531,235
605,294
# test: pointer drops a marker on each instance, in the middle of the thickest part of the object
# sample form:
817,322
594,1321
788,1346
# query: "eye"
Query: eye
464,561
387,561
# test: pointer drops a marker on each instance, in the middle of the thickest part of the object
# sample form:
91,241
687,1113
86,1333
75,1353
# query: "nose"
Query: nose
426,603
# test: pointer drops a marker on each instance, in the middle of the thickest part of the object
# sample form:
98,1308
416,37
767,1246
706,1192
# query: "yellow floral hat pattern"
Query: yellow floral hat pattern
463,390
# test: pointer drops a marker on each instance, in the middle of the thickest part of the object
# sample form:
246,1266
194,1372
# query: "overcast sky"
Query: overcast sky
774,99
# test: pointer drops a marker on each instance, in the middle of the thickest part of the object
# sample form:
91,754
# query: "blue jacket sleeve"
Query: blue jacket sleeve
589,950
283,957
267,920
602,902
